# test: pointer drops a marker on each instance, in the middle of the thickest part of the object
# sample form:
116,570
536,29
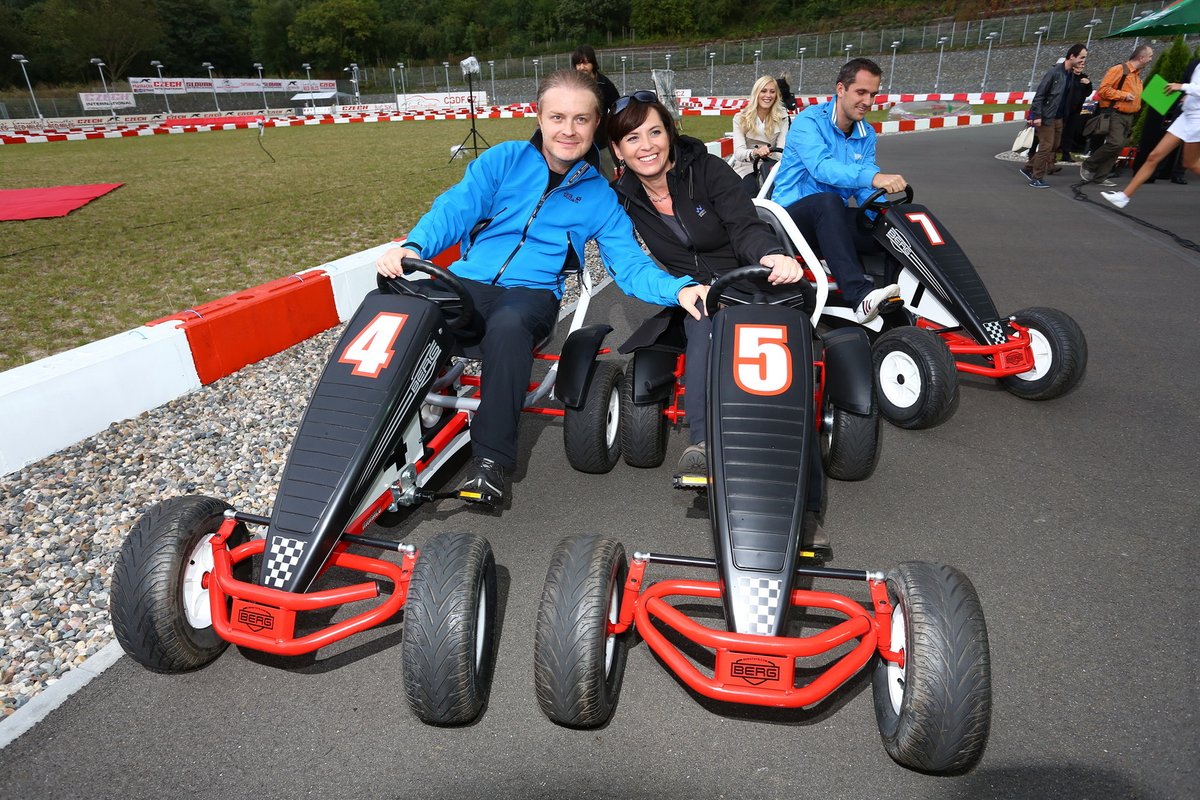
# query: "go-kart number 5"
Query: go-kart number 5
922,219
371,351
762,363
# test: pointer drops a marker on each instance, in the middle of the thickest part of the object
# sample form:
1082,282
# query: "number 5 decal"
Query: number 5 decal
371,350
762,363
931,233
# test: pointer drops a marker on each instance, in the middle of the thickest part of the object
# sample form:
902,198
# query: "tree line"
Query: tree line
60,37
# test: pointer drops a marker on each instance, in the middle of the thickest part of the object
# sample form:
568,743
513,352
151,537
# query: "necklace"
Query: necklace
653,197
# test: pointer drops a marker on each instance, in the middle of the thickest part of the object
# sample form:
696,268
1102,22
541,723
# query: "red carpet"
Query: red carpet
56,201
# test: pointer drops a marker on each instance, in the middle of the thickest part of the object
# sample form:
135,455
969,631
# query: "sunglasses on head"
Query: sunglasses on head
643,96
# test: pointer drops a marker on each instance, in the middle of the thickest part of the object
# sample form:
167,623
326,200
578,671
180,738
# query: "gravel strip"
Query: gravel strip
65,517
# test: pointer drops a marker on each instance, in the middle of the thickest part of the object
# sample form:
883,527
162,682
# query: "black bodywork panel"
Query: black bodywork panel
576,363
761,430
942,267
350,431
848,373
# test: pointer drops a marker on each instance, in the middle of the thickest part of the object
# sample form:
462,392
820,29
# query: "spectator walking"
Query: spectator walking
1081,89
1185,129
1120,96
1046,114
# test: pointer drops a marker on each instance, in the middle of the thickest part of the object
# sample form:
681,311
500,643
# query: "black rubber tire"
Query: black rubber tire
945,707
147,596
1068,355
926,359
850,443
644,431
592,444
448,658
577,679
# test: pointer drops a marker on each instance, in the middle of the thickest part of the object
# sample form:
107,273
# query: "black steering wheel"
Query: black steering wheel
803,296
757,162
456,305
873,203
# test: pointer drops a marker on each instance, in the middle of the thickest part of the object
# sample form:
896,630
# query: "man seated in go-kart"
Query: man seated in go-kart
522,214
829,158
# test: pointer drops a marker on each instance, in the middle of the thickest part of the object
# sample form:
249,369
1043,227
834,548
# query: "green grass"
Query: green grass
203,215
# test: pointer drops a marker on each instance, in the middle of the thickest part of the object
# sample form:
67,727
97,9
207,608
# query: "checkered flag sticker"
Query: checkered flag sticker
282,559
762,598
995,331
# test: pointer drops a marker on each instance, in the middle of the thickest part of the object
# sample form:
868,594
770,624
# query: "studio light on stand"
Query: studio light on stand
470,68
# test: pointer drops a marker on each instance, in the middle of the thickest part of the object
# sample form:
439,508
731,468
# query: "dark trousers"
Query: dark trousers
825,219
1104,157
1049,136
695,376
516,318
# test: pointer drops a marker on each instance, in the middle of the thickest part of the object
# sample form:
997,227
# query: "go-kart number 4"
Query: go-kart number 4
371,351
762,363
922,219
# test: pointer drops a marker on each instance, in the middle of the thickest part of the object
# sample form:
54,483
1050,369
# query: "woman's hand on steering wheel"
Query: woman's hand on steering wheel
692,299
784,269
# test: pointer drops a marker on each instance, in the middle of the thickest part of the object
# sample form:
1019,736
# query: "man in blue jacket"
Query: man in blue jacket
522,212
829,158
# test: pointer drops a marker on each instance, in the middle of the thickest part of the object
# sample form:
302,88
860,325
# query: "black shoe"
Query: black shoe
1179,180
484,483
694,460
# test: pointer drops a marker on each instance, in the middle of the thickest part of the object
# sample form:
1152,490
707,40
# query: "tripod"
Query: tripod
474,135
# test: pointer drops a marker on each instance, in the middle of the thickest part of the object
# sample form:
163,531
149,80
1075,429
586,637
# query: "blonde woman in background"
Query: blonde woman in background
761,125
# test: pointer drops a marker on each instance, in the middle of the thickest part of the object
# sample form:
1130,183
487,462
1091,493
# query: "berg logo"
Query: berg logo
256,619
754,671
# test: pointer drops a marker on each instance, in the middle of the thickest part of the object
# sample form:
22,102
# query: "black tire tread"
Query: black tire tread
584,427
644,431
145,603
1070,352
438,652
569,679
939,372
854,445
945,718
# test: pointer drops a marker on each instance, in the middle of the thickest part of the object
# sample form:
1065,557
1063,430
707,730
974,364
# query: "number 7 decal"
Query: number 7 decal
762,363
371,350
922,219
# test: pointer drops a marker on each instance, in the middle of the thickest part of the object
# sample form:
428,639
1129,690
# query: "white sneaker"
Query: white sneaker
1118,199
868,307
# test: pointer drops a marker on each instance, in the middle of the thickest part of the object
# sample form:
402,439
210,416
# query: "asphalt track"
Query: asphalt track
1075,519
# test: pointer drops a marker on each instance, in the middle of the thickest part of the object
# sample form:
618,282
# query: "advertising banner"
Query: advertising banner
431,101
230,85
157,86
100,100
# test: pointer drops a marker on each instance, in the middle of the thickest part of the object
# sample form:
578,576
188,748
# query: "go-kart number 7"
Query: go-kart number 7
762,363
922,219
371,350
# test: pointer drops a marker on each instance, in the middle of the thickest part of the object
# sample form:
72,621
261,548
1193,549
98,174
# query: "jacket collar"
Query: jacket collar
859,129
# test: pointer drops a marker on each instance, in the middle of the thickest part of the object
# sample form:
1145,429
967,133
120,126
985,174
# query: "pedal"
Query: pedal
690,481
891,304
479,498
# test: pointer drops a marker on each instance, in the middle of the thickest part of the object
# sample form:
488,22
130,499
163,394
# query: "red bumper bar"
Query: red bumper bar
1009,358
760,670
263,618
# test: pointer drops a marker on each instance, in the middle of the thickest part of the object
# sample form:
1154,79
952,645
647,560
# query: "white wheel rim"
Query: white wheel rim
1043,356
194,594
900,379
612,424
480,625
610,641
895,673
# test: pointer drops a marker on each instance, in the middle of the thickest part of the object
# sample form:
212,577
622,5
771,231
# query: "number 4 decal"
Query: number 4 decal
762,363
922,219
371,350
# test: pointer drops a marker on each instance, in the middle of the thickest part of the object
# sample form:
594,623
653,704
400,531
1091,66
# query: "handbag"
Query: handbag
1024,140
1099,124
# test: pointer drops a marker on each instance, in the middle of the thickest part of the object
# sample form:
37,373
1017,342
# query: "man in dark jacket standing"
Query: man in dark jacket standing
1046,114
